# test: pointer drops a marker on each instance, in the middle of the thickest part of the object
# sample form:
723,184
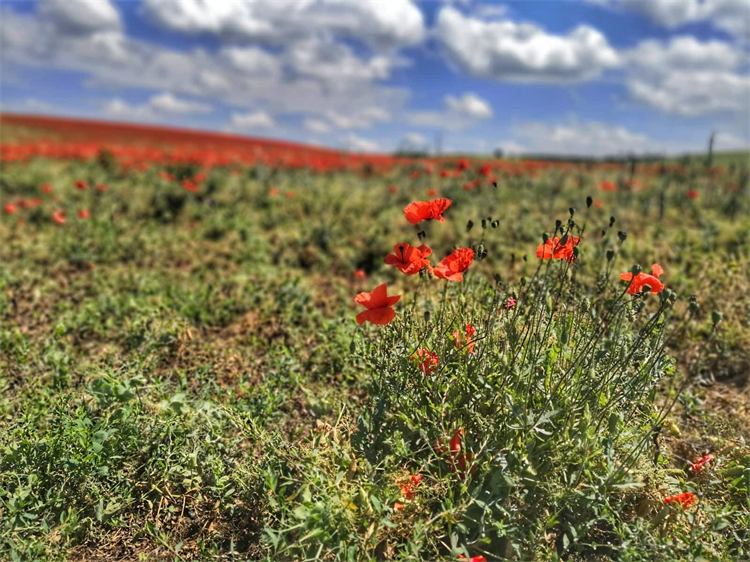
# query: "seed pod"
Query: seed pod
611,221
716,317
610,255
622,236
589,201
469,225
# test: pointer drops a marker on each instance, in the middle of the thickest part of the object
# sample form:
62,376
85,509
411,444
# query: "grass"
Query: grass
183,377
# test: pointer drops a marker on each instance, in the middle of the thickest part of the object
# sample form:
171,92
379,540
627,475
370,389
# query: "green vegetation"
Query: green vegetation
183,378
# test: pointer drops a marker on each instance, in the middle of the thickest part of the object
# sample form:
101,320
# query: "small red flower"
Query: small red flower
608,186
644,279
190,186
290,195
80,184
408,259
510,303
398,506
392,189
685,500
83,214
408,487
59,216
459,460
101,188
468,342
378,304
558,248
273,192
452,267
473,558
9,209
419,211
700,463
426,360
432,192
46,188
360,273
692,194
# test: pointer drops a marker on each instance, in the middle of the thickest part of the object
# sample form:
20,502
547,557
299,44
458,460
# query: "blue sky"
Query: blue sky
589,77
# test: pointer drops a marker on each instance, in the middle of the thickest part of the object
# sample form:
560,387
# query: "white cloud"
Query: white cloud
460,113
359,144
157,108
731,16
379,23
80,17
256,120
512,148
416,139
316,126
575,138
688,77
506,50
728,141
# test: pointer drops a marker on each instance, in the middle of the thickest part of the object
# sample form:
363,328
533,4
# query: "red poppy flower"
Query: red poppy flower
273,192
198,178
692,194
393,190
419,211
59,217
80,184
83,214
427,360
468,342
608,186
378,304
473,558
188,185
408,487
101,188
166,175
398,506
700,463
452,267
432,192
46,188
510,303
9,209
685,500
360,273
643,279
290,195
459,460
554,248
408,259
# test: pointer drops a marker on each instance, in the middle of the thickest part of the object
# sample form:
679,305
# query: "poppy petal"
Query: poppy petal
380,316
657,270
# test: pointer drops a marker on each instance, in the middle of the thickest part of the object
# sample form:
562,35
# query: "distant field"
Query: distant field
565,376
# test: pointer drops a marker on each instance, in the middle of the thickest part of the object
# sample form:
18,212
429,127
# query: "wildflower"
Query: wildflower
408,259
427,360
407,488
188,185
198,178
393,190
83,214
273,192
166,175
598,204
510,303
378,304
459,459
558,248
692,194
432,192
398,506
700,463
685,500
360,273
46,188
644,279
290,195
473,558
80,184
59,216
608,186
101,188
9,209
469,343
419,211
452,267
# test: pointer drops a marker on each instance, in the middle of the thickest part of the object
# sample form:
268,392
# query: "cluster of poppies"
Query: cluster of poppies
411,260
58,216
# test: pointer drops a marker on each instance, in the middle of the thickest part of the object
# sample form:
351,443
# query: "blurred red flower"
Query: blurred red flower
468,342
188,185
9,209
46,188
59,216
643,279
685,500
432,192
700,463
360,273
692,194
426,360
452,267
80,184
608,186
101,188
408,259
558,248
83,214
419,211
378,304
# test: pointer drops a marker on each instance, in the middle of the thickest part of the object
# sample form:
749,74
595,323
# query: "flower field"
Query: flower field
217,349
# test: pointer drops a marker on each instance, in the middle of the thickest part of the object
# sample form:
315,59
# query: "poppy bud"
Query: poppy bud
636,269
604,233
421,235
611,221
575,251
524,258
589,201
426,315
563,240
498,278
545,237
558,224
716,317
495,224
694,307
469,225
572,211
484,223
610,255
622,236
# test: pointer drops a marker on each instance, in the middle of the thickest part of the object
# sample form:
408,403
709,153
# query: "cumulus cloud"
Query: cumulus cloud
460,113
381,24
731,16
157,108
688,77
506,50
80,17
356,143
316,126
251,121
